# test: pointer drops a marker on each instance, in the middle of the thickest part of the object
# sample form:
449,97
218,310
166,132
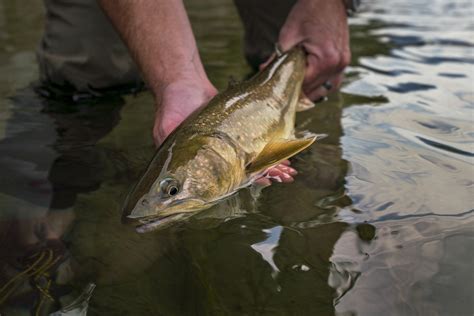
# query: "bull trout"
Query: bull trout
230,142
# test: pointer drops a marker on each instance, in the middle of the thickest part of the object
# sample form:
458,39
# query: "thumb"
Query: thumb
289,37
267,62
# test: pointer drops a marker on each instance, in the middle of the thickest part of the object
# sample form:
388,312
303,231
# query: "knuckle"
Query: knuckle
331,56
346,58
334,58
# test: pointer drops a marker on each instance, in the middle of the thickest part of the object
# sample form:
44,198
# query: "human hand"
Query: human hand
320,26
176,101
280,173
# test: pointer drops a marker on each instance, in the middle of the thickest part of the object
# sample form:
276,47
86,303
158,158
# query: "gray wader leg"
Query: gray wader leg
81,50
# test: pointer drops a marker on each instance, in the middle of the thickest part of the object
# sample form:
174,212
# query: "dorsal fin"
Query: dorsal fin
232,82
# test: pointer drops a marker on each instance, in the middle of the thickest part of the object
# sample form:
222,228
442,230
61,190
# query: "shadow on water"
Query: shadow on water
48,157
49,154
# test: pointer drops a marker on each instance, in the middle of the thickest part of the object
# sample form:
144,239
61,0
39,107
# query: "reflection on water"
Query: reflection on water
379,218
411,163
425,261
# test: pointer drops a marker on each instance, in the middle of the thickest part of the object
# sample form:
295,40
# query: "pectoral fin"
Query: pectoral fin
277,151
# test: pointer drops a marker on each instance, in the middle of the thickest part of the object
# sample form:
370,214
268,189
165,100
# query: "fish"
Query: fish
225,146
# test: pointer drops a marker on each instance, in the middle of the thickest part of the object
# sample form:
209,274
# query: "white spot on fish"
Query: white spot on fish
275,67
167,162
233,100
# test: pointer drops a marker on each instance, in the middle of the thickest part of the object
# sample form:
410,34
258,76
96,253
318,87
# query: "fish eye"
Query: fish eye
169,187
172,190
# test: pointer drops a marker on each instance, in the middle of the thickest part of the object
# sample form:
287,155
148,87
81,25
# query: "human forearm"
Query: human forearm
159,36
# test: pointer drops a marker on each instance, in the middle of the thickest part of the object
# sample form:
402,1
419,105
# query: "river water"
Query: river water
379,220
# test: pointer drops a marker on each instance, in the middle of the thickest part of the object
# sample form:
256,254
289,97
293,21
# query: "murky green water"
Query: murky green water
379,220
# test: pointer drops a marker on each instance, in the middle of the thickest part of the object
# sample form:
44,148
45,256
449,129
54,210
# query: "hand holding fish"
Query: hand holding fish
242,133
176,101
320,26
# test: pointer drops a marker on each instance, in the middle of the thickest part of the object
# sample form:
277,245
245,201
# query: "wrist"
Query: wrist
307,9
181,78
182,82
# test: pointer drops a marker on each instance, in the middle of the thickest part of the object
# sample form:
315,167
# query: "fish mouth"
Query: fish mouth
153,223
162,216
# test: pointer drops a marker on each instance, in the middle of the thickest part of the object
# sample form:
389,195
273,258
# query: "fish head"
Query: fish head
168,200
189,180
